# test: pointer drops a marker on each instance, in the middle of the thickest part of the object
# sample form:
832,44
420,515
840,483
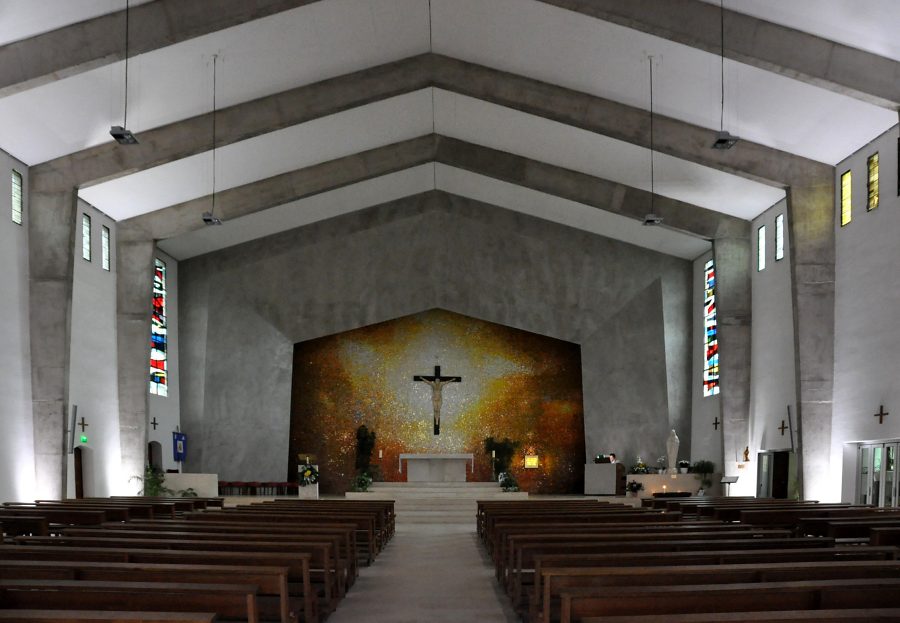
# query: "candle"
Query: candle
379,454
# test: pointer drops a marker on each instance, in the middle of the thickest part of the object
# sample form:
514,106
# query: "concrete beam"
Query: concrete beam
134,278
96,42
756,42
733,315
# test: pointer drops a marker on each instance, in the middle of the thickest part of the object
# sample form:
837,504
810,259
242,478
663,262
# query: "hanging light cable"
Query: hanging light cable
724,140
651,218
209,217
122,135
433,123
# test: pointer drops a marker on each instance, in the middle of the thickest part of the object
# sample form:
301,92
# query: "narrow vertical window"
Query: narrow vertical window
710,334
872,182
104,248
86,237
159,339
779,237
761,248
846,208
17,197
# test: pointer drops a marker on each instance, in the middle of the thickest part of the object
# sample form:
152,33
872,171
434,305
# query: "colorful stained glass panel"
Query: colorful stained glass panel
710,333
159,338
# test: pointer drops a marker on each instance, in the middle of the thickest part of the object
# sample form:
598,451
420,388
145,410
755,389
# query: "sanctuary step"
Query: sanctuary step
436,502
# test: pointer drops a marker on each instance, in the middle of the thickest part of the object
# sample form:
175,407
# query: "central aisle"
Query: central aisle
433,570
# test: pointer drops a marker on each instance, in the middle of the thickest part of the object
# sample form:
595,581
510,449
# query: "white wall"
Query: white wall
867,312
772,368
93,381
16,431
706,440
167,409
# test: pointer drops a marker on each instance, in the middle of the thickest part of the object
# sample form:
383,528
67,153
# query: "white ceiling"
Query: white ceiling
870,25
335,37
420,179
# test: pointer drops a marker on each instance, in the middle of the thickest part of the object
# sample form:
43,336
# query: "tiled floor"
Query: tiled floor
430,572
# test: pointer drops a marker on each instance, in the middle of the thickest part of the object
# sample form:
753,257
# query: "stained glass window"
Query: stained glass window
159,339
104,246
761,248
872,181
846,196
86,237
17,197
710,333
779,237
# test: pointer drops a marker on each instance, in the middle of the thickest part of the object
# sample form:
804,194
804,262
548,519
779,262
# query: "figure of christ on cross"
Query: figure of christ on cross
437,383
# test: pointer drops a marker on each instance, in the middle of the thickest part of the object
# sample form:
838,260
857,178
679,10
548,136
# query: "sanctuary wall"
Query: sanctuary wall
242,310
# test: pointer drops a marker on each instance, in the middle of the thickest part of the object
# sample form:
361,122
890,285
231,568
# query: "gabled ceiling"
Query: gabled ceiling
536,40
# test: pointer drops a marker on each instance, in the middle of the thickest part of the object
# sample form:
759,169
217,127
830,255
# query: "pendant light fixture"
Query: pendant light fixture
209,218
122,135
724,140
651,218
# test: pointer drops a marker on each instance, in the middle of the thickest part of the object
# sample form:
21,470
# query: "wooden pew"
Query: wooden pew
849,615
555,581
64,516
274,598
15,525
661,601
95,616
228,600
320,562
300,584
346,533
521,572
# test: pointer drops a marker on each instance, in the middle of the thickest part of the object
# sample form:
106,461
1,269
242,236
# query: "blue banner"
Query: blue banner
179,446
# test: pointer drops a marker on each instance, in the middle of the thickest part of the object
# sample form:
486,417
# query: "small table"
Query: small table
436,467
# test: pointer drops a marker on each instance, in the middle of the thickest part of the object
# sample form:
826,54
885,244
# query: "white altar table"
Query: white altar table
436,467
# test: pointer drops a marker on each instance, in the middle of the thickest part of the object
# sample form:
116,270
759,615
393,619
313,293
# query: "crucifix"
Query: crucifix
881,413
437,383
782,428
82,424
154,423
716,423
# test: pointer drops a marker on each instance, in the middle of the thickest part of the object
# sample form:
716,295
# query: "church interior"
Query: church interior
481,278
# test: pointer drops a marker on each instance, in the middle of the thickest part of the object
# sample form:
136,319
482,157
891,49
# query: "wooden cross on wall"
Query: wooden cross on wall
437,383
782,428
881,413
82,424
716,423
154,423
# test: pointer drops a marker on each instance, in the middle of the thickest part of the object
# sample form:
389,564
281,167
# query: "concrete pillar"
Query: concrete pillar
51,232
811,220
733,296
134,283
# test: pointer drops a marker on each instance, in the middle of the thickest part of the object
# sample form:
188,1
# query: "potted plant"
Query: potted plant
661,465
683,466
361,482
633,486
508,482
704,470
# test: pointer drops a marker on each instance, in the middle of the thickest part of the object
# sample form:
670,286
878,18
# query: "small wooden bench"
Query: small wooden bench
94,616
849,615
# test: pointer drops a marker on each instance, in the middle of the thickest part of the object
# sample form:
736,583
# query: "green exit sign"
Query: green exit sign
84,439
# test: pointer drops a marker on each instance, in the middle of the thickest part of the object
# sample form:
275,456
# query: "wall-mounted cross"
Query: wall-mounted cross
716,423
82,424
782,428
154,423
881,413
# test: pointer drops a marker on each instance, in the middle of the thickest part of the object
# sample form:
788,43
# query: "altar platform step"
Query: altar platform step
436,502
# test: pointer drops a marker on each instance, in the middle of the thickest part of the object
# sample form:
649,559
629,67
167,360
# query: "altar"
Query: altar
436,467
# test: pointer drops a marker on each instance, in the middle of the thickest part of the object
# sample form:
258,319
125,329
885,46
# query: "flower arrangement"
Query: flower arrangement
362,482
684,466
633,486
508,482
601,458
639,467
309,475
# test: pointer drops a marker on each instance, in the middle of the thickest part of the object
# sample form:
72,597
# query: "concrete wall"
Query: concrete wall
93,368
17,478
243,308
867,313
706,439
772,371
167,409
